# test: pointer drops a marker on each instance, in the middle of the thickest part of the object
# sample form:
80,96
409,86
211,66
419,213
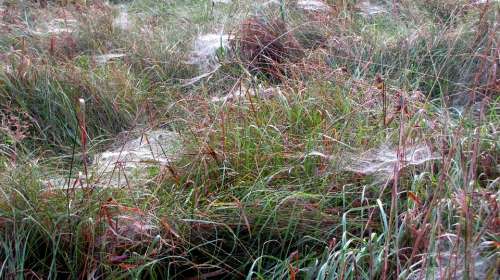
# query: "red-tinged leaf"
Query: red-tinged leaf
168,228
131,209
293,273
127,266
415,198
117,259
294,256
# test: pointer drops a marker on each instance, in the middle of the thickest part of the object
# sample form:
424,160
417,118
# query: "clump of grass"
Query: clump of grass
266,46
50,95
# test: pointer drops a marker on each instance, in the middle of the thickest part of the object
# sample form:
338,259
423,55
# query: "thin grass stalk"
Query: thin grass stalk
83,137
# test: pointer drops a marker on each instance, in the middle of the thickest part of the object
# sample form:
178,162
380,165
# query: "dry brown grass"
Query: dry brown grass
266,46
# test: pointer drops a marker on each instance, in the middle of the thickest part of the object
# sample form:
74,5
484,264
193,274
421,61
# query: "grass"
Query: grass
272,182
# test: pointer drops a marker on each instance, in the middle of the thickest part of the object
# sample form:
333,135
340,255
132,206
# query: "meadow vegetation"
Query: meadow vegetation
347,140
